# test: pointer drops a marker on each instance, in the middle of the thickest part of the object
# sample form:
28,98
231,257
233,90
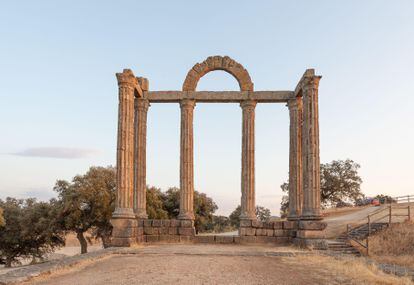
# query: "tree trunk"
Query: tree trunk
8,263
82,241
106,241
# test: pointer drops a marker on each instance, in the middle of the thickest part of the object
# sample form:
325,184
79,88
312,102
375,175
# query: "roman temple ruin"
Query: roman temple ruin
304,225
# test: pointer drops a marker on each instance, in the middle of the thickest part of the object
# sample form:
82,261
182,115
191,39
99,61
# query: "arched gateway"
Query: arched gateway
130,221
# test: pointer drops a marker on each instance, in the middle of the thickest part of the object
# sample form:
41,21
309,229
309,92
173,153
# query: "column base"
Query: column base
186,216
123,213
293,218
141,214
124,232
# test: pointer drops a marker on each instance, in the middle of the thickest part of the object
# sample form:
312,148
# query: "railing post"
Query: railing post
369,226
389,222
409,213
367,245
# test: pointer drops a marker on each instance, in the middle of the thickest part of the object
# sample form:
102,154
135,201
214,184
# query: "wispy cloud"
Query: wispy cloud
57,152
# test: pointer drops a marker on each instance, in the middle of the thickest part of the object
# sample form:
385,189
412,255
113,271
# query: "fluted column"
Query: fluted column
248,204
310,150
186,161
125,146
140,189
295,159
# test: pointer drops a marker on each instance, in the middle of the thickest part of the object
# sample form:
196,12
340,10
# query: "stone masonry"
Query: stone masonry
130,223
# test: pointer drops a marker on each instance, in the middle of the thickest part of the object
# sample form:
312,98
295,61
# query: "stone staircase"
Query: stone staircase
343,245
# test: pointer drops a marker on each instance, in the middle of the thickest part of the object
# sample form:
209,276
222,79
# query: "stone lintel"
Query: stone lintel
219,96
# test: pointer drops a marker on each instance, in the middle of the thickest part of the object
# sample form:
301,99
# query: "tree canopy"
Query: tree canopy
87,203
340,184
262,214
29,231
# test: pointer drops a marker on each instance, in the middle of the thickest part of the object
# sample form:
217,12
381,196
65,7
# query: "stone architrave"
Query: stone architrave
310,150
295,159
186,161
127,83
140,201
248,204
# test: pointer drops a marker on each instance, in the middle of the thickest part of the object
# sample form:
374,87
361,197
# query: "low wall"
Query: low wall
165,230
302,233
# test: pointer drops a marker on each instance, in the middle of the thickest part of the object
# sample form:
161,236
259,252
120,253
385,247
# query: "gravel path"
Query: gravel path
197,264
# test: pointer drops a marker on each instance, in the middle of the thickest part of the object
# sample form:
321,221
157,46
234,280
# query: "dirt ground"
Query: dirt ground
206,264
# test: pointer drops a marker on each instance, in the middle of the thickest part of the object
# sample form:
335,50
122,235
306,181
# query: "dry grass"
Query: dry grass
357,270
394,245
333,212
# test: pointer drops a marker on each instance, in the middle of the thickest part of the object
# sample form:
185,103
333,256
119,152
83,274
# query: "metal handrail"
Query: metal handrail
370,221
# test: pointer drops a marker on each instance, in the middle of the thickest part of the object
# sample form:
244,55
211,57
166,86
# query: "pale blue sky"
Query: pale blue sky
58,92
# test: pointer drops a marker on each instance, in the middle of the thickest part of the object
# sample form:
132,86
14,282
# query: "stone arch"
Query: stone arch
218,62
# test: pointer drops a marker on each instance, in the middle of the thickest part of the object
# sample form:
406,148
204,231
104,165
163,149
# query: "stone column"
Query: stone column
125,146
310,150
248,204
186,161
140,191
295,159
123,218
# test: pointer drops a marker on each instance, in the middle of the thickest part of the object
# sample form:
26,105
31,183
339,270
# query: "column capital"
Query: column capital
311,82
127,79
248,104
187,103
141,104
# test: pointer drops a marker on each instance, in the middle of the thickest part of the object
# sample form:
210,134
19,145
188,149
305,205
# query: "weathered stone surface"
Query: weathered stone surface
127,83
312,225
123,242
186,161
175,223
156,223
218,63
186,231
165,223
186,239
250,231
310,150
281,233
204,239
270,232
290,225
169,238
224,239
248,202
310,234
245,223
261,232
257,224
140,165
163,231
278,225
219,96
153,238
124,232
248,239
148,230
187,224
319,244
147,223
295,159
173,231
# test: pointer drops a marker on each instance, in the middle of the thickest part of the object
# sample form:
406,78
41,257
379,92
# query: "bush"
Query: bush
29,231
